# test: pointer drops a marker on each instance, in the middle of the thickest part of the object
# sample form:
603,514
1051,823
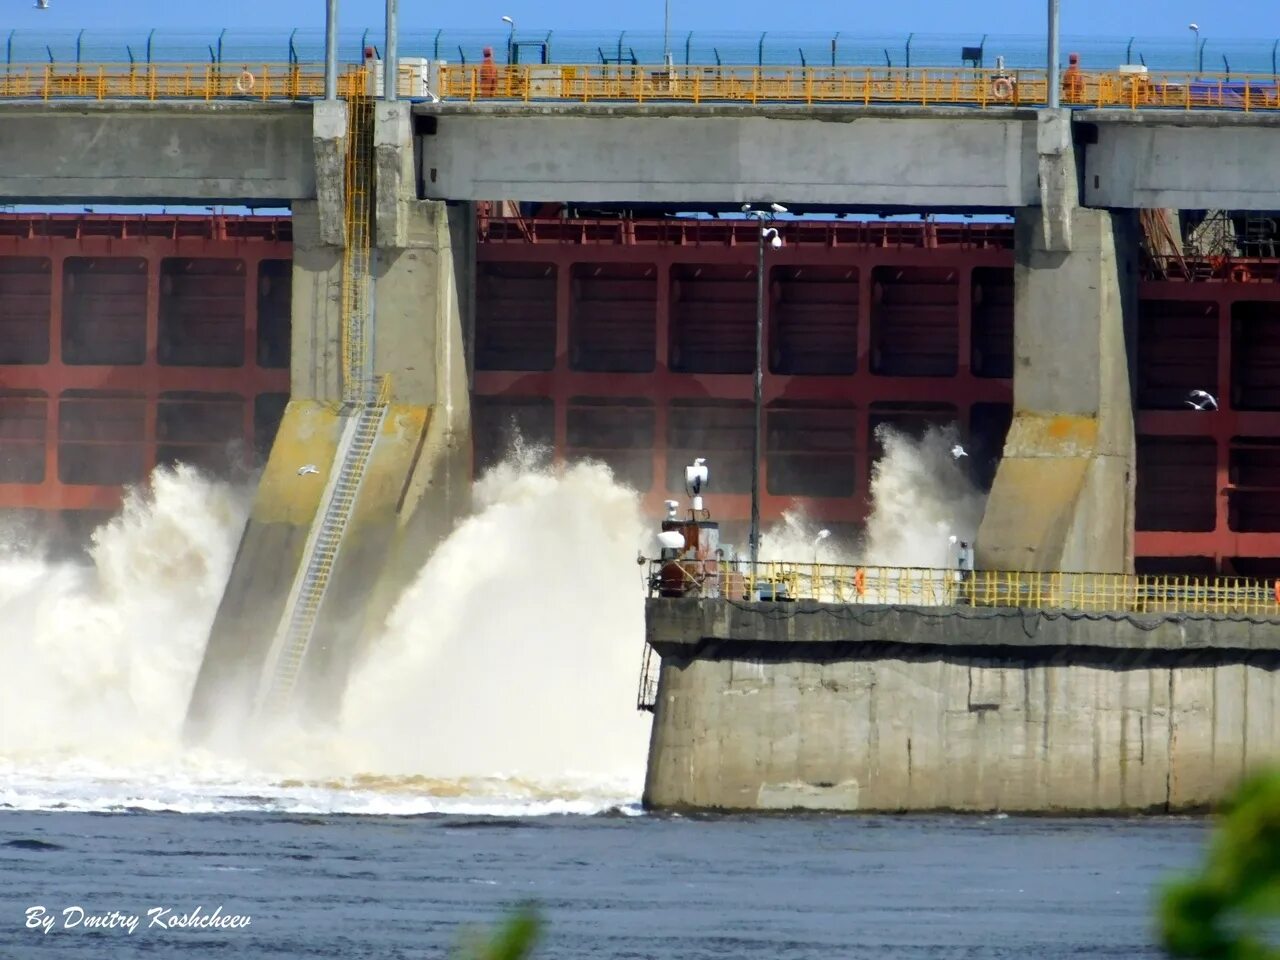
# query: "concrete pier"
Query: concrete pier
871,708
417,479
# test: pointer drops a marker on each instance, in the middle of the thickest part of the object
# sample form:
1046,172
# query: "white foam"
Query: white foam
503,685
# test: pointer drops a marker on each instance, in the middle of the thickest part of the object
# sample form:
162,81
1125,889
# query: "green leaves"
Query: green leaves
514,940
1231,909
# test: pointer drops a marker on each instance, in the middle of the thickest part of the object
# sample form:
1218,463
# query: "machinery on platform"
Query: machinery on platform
692,561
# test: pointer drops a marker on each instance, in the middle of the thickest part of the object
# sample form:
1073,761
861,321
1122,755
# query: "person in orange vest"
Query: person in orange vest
488,74
1073,80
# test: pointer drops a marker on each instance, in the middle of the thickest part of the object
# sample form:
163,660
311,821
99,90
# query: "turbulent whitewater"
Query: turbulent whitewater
504,681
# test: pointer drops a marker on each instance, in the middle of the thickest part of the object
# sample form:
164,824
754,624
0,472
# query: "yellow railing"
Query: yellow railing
912,586
579,83
356,280
920,86
174,81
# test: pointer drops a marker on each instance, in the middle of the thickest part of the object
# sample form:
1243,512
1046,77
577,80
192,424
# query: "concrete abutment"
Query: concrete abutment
878,709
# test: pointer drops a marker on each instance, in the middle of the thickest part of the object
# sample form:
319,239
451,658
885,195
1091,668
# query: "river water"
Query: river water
614,885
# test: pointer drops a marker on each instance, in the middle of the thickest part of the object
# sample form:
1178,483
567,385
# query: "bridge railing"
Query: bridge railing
923,86
924,587
174,81
612,83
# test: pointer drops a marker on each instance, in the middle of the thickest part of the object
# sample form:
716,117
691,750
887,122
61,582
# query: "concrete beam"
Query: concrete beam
668,153
1184,161
164,152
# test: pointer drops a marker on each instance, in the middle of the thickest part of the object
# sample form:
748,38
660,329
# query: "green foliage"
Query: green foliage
1224,912
513,940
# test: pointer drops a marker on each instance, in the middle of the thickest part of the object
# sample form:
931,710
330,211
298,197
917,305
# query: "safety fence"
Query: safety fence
929,86
175,81
609,83
921,587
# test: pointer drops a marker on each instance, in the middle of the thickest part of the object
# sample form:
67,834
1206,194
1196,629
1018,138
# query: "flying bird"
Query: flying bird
1200,400
958,451
42,4
308,468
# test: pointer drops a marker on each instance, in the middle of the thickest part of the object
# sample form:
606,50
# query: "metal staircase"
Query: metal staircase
289,647
365,402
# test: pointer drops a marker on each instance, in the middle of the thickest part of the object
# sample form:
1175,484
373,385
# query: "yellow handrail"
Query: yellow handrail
586,83
926,587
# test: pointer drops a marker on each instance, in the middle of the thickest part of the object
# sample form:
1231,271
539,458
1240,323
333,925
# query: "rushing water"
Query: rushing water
488,752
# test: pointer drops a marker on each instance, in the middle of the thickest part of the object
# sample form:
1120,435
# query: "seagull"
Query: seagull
958,451
1200,400
42,4
308,468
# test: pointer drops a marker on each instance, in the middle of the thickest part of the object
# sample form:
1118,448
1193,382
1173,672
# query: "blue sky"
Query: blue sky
1167,18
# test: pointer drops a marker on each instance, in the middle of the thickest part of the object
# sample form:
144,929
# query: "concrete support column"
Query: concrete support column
1063,497
329,145
316,350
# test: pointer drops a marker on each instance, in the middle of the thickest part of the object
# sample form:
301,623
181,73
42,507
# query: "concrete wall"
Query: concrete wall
1183,160
165,152
870,726
1063,496
665,153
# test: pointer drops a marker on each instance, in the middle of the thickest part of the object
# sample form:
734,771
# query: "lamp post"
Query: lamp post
770,236
666,34
331,50
1054,86
389,70
511,38
1195,46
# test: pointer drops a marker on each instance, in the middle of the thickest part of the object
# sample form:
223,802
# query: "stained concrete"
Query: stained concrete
959,713
1063,495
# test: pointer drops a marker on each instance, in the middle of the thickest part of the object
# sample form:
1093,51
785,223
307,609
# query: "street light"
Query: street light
666,34
1054,91
1195,45
331,50
389,68
774,239
511,37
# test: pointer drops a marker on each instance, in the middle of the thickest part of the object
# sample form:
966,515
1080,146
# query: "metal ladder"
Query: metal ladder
297,626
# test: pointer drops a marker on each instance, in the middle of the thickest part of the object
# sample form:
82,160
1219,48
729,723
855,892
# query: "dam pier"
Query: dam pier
1022,693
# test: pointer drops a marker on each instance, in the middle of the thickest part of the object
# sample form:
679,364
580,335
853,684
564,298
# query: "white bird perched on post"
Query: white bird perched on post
308,468
1202,400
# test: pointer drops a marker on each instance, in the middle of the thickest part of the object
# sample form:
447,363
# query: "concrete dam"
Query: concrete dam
422,326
